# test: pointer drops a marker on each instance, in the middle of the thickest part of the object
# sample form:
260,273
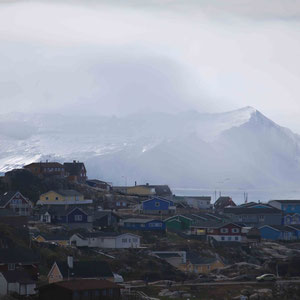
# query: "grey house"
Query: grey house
254,216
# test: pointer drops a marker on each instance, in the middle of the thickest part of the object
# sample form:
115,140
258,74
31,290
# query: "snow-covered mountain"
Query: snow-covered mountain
237,149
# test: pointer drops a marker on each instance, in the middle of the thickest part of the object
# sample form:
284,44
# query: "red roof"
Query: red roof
85,284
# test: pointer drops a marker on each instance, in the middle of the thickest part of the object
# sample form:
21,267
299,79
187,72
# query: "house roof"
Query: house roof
140,220
287,201
63,210
74,168
85,269
196,259
280,227
158,198
18,255
103,213
6,197
82,284
68,192
251,210
97,181
45,165
296,226
54,236
17,276
102,234
167,255
223,202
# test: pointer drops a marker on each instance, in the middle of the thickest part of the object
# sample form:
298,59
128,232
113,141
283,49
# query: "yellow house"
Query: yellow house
52,238
62,197
201,265
141,190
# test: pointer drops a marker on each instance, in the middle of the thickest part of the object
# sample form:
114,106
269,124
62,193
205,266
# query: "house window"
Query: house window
208,267
224,230
56,198
142,225
210,230
157,204
134,240
124,204
47,198
261,218
223,238
118,204
236,238
235,230
76,295
11,267
78,217
229,238
124,240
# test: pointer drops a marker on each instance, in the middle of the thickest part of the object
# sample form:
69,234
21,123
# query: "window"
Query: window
223,238
56,198
11,267
229,238
157,204
124,204
235,230
224,230
47,198
134,240
210,230
142,225
124,240
78,217
76,296
208,267
261,218
118,204
236,238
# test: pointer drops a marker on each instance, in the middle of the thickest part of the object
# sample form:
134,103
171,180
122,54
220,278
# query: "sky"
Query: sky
118,57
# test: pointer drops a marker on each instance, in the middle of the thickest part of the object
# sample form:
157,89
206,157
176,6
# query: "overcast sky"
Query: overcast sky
118,57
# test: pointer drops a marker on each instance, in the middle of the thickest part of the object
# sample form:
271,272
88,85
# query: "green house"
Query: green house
179,222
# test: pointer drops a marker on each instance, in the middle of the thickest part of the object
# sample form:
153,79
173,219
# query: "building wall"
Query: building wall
151,226
131,241
141,190
156,204
78,241
77,212
202,269
269,233
3,285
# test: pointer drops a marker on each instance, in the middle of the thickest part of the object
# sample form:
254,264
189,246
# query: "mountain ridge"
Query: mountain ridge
188,149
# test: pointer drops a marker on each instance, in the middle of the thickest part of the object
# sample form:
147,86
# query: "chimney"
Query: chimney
74,161
70,262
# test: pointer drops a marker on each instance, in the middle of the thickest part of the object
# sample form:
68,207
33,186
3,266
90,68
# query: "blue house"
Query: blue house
144,224
290,219
61,214
278,232
287,206
158,206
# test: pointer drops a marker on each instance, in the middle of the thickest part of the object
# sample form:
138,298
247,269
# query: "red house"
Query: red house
229,232
76,171
43,169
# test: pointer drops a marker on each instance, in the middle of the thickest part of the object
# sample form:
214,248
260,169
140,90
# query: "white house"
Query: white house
199,202
16,282
110,240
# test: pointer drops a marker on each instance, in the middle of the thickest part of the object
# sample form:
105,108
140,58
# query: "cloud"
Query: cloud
125,56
